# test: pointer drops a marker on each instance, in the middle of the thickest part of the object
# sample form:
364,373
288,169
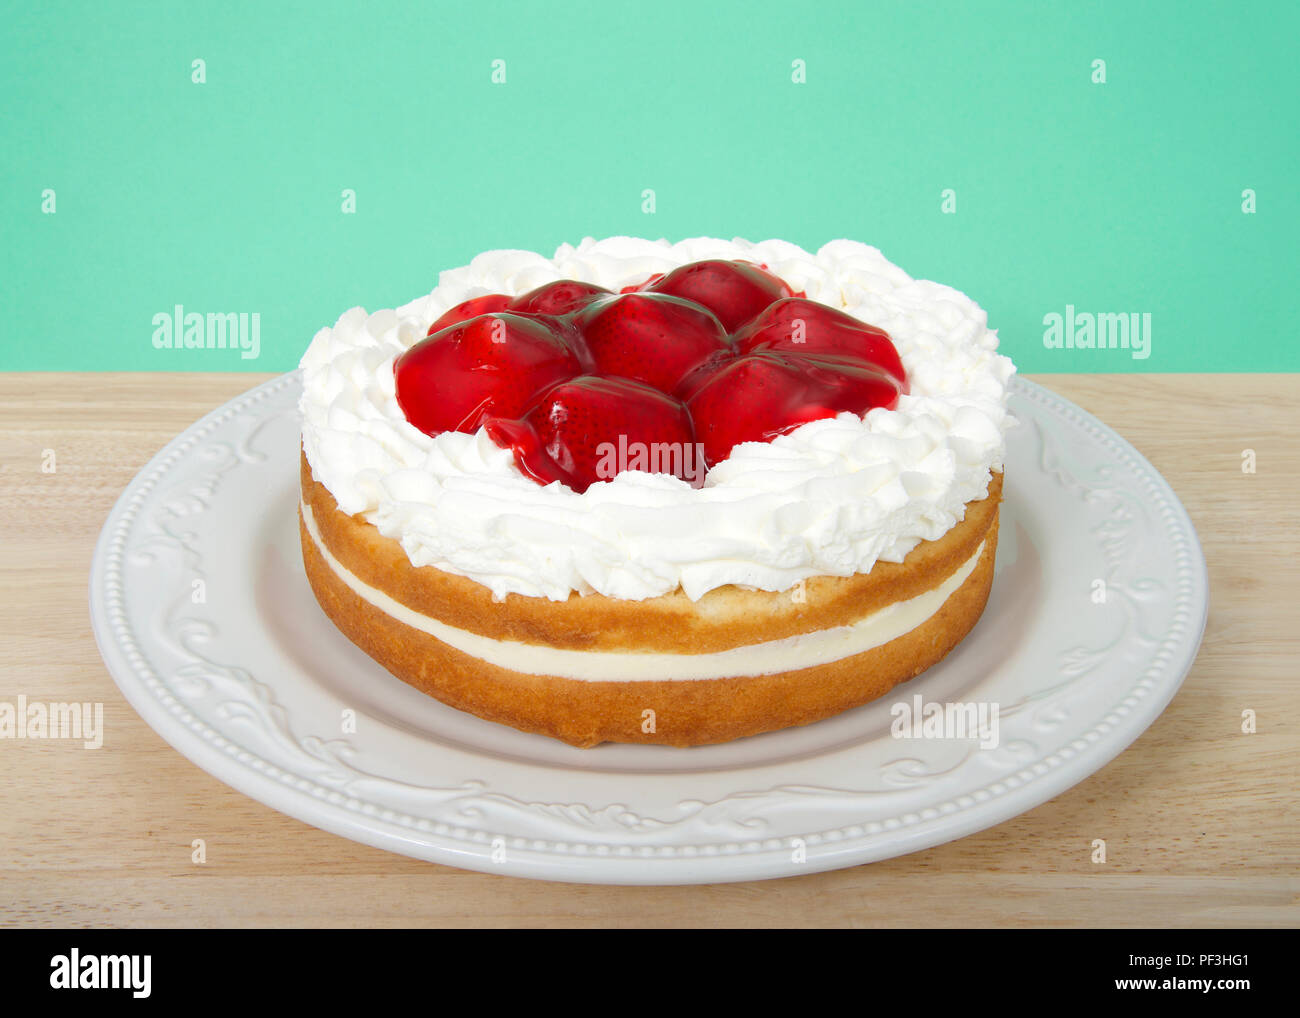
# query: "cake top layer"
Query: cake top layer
830,498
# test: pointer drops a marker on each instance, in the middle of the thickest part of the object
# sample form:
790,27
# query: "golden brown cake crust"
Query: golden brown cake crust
722,619
685,712
690,712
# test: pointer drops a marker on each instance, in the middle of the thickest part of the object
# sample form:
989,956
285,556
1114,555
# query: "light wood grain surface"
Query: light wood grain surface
1200,820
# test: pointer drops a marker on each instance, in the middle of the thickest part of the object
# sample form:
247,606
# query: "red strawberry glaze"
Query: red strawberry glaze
591,428
651,337
712,354
633,288
468,309
558,298
735,291
757,396
799,325
492,365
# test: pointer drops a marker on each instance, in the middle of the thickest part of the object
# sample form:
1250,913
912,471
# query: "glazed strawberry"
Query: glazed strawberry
590,429
468,309
801,326
760,395
643,286
574,378
559,298
650,337
702,372
735,291
493,364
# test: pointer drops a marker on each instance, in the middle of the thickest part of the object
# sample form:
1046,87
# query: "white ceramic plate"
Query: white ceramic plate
205,619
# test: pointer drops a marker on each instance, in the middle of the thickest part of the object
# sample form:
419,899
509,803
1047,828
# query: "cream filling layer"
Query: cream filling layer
803,651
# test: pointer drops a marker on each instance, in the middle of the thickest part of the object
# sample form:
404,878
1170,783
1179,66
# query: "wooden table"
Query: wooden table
1200,820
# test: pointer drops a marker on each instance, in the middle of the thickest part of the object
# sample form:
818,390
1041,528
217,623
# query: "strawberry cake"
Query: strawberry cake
652,492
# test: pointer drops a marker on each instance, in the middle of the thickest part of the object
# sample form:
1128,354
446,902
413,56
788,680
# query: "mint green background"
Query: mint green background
226,196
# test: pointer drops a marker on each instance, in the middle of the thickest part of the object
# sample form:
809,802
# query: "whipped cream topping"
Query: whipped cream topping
832,497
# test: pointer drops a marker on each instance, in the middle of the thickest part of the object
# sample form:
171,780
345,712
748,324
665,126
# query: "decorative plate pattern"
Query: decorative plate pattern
205,619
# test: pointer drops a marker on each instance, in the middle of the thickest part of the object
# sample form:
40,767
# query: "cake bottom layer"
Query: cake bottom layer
686,712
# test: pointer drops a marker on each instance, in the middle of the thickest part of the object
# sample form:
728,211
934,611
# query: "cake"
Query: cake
645,492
